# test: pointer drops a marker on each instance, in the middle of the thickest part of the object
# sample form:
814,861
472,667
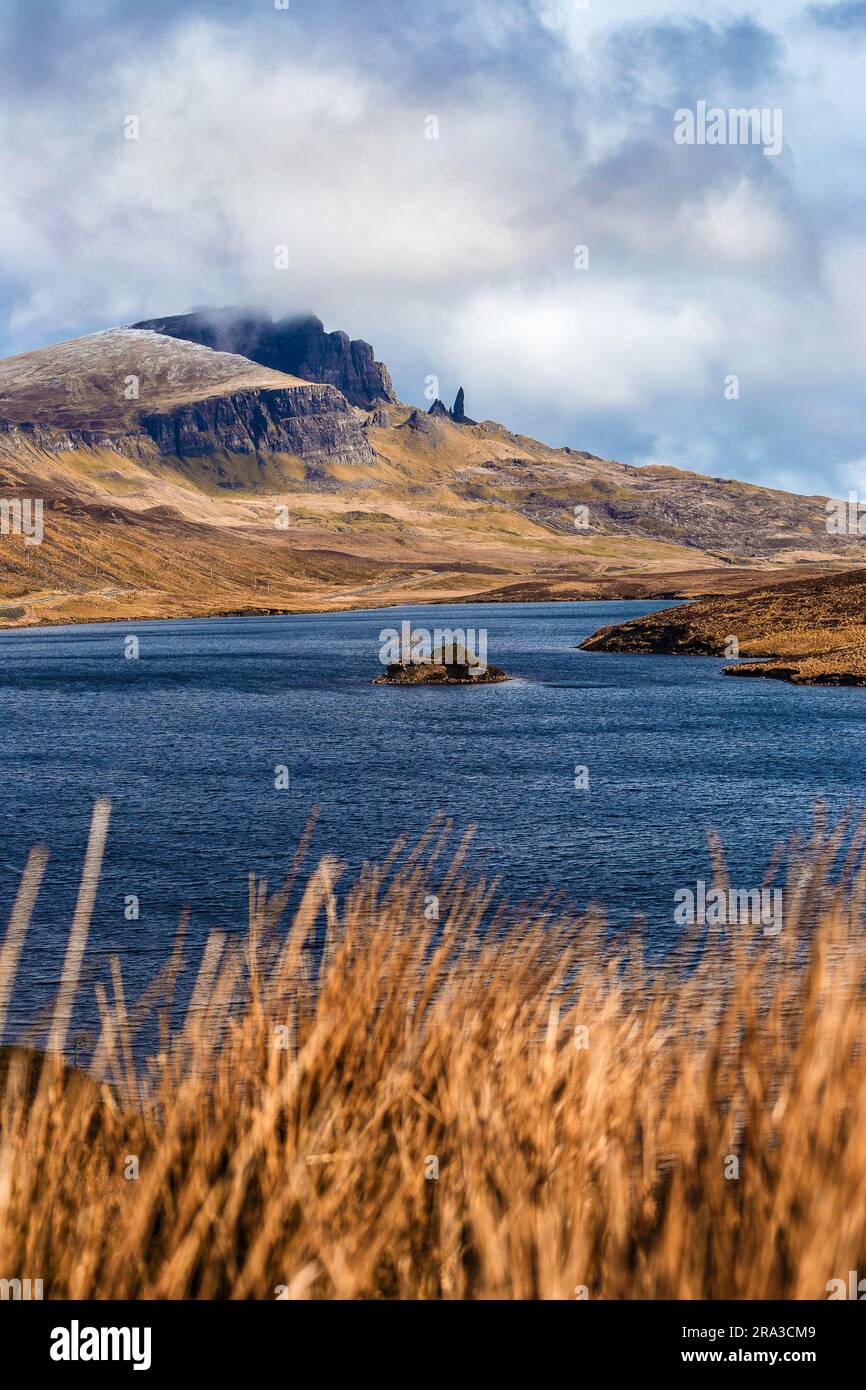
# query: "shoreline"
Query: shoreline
763,667
753,668
389,607
678,588
811,632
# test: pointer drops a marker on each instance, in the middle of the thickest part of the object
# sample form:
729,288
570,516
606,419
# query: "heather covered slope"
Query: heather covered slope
811,631
726,519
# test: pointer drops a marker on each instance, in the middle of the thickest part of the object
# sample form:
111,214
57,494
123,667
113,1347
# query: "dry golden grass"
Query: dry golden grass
307,1168
811,630
444,515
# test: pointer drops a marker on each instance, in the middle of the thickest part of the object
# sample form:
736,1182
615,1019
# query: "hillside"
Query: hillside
147,396
179,479
810,632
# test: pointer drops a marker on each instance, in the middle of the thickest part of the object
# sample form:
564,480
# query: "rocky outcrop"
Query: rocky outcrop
313,422
433,673
299,346
54,441
420,423
446,665
307,351
457,413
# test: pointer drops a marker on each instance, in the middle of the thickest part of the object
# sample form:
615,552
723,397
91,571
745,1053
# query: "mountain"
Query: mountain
299,346
809,632
457,413
178,478
150,396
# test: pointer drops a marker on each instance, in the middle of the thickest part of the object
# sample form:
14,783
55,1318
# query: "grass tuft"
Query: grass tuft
580,1108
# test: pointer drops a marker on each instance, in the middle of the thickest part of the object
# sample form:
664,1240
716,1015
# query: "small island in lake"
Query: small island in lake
459,669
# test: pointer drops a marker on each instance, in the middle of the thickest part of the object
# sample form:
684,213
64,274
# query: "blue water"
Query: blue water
186,740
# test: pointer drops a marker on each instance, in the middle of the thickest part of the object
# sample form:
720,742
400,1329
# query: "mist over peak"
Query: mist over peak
296,344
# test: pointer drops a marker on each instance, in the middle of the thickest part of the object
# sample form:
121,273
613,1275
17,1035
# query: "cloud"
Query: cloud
691,57
844,16
456,256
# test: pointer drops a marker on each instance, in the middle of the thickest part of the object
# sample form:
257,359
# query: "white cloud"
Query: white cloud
737,227
455,256
587,345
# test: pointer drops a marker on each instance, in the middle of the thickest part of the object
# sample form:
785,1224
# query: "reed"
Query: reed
424,1109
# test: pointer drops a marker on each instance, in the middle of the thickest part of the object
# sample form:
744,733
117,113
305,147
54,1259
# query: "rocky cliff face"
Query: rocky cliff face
457,413
53,441
298,346
129,390
314,423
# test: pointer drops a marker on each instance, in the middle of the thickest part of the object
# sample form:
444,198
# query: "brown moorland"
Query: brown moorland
810,632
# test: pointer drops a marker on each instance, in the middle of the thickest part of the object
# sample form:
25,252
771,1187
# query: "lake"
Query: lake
186,739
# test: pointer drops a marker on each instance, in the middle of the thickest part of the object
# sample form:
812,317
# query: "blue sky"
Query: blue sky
455,257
